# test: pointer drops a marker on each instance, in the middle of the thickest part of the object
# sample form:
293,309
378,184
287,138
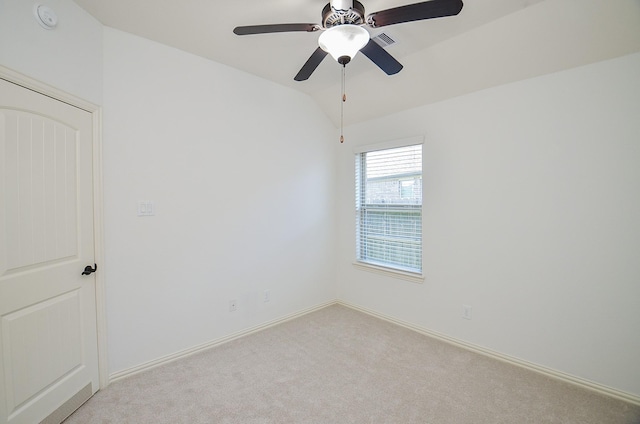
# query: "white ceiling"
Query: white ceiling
438,55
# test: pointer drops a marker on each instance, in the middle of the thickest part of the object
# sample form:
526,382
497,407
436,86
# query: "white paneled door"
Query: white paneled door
48,342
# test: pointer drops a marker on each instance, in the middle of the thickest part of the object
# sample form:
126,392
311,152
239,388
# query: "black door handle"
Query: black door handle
88,270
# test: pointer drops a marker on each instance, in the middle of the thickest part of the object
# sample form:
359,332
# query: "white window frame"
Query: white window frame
384,269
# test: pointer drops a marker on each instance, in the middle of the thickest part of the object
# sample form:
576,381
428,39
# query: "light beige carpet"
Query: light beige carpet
337,365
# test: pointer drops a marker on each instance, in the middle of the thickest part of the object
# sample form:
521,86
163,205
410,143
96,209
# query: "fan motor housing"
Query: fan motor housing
332,17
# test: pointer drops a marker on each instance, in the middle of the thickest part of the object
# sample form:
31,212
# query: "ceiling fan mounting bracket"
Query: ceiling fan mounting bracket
332,17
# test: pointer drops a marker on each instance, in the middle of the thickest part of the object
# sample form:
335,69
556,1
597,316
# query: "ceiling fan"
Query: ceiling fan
343,34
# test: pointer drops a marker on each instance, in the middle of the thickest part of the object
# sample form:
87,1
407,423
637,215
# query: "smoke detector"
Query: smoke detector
45,16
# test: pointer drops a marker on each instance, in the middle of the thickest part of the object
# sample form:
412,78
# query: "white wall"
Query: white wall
531,216
243,178
68,57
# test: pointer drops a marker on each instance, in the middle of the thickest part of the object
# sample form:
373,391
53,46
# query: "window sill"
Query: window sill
408,276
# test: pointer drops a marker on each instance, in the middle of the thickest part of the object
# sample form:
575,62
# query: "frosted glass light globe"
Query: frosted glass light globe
342,42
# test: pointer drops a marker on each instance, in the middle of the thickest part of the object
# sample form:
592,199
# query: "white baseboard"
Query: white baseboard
213,343
590,385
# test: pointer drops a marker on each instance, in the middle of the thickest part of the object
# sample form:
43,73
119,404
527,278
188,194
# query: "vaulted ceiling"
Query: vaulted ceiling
491,42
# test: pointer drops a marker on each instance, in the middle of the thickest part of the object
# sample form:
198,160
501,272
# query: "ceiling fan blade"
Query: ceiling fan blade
310,65
265,29
415,12
380,57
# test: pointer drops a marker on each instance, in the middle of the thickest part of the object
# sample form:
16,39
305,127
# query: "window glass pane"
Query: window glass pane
389,207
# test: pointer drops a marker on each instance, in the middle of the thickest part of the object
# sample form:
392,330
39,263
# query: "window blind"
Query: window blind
389,208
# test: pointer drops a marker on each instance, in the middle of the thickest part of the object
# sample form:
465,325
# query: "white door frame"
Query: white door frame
98,228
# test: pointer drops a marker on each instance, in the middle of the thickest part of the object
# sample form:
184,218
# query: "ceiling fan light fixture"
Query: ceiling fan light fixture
342,42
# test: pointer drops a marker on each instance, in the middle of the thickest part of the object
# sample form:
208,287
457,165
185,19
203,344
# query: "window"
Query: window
389,208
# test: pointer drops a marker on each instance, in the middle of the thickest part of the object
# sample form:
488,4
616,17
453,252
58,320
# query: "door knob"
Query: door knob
88,270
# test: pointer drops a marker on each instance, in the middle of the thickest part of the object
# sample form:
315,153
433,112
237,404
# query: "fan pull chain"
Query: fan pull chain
344,99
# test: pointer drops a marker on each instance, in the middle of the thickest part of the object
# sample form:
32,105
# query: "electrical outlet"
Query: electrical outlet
466,311
233,305
267,296
146,208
